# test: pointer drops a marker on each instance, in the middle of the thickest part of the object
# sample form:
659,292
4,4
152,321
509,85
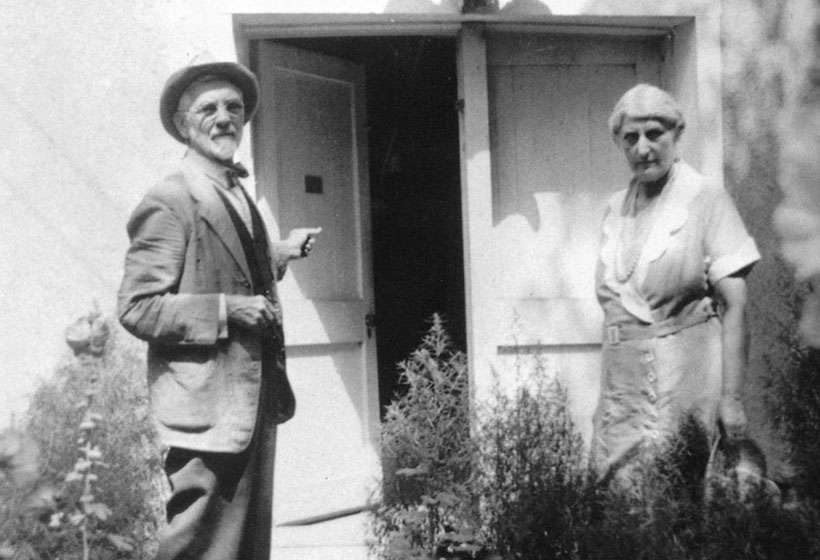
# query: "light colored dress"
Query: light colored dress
662,351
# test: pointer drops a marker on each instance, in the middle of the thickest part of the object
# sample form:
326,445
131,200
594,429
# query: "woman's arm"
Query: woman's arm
731,290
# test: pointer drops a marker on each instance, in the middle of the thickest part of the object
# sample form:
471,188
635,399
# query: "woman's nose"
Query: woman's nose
644,145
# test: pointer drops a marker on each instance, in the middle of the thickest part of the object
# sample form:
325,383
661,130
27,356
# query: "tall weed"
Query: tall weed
427,453
530,472
100,479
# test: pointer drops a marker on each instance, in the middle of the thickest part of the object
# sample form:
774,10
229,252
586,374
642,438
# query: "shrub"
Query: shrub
426,451
100,480
517,487
531,474
795,408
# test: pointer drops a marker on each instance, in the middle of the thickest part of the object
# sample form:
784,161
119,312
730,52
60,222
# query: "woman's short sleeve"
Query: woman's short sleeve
727,244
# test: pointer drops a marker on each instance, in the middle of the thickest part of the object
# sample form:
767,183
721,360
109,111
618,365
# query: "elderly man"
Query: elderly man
200,288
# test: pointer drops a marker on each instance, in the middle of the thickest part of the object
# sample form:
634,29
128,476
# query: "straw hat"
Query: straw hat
178,82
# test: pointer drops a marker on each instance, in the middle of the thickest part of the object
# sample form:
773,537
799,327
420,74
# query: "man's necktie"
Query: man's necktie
237,170
234,172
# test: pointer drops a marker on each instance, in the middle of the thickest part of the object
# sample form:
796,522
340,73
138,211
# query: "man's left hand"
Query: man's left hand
301,241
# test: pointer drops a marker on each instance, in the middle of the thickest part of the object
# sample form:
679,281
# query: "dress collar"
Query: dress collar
670,216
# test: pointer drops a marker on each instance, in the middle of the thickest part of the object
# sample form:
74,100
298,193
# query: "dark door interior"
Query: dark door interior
415,188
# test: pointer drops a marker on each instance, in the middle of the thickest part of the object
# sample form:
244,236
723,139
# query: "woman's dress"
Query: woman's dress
662,351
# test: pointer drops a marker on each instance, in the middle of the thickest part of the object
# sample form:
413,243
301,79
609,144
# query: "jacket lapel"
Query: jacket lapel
212,211
671,215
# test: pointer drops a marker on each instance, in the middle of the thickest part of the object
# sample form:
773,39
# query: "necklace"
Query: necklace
635,227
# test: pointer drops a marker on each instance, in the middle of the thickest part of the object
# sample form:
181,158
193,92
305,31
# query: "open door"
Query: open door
311,166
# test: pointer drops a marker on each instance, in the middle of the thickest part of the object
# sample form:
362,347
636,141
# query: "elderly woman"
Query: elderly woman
671,282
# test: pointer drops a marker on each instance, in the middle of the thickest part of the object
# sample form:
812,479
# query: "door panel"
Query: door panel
311,161
550,128
553,166
316,144
554,163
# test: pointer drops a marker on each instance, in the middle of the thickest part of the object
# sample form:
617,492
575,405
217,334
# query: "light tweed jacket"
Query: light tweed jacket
184,252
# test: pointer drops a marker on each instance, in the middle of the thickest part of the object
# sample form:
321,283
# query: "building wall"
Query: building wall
81,84
530,304
766,52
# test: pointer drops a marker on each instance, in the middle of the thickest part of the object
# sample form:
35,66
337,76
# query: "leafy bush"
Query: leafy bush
548,507
531,474
795,410
426,450
100,484
517,487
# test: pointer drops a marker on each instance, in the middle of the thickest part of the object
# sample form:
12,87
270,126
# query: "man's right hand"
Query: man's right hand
252,312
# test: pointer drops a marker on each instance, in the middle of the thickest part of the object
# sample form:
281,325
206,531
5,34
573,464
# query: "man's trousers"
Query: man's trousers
220,507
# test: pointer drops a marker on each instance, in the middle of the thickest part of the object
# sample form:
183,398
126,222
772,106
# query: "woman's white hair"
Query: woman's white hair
645,101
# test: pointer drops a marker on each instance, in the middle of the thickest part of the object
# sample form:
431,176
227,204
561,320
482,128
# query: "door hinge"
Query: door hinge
459,105
370,323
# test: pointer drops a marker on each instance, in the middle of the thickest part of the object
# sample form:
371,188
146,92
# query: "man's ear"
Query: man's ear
179,122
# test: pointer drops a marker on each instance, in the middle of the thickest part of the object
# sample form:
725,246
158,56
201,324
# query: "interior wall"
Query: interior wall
417,240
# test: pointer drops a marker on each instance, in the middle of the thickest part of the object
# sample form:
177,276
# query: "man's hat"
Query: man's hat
178,82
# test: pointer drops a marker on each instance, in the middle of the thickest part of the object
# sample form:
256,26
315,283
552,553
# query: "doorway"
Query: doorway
414,167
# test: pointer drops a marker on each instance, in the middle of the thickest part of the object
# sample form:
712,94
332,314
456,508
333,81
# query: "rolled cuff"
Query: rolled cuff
727,265
222,325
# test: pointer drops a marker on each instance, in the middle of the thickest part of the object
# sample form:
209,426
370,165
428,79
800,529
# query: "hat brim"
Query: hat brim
179,81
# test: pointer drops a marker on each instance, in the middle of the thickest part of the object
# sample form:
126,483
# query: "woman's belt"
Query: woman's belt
613,334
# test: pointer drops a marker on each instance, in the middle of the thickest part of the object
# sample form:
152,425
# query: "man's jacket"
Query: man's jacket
185,251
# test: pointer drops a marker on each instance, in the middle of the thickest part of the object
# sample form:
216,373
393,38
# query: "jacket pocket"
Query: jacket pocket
185,389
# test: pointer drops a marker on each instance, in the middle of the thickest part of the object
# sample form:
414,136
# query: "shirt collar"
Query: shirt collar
213,169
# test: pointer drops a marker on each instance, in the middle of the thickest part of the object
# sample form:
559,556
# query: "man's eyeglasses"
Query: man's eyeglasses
235,109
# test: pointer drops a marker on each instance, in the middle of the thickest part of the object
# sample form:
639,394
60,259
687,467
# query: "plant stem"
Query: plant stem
85,540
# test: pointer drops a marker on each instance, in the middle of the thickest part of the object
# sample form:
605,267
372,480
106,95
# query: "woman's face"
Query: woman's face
649,146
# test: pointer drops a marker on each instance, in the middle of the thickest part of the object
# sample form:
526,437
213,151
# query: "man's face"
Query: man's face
649,146
211,116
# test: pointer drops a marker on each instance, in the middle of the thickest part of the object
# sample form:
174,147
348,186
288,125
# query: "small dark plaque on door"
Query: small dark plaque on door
313,184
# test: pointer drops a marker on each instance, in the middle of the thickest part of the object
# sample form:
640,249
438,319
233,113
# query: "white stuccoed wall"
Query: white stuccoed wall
81,83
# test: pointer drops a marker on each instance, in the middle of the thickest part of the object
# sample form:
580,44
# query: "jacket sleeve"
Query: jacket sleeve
279,259
149,304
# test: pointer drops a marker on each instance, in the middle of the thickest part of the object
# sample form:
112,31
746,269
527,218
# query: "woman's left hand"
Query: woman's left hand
732,416
731,292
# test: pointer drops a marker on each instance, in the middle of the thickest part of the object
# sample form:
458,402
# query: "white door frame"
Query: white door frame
693,75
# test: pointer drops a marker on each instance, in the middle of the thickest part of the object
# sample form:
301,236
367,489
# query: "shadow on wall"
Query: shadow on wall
532,7
757,86
422,6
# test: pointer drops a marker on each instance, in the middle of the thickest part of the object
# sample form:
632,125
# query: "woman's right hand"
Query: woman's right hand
733,416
